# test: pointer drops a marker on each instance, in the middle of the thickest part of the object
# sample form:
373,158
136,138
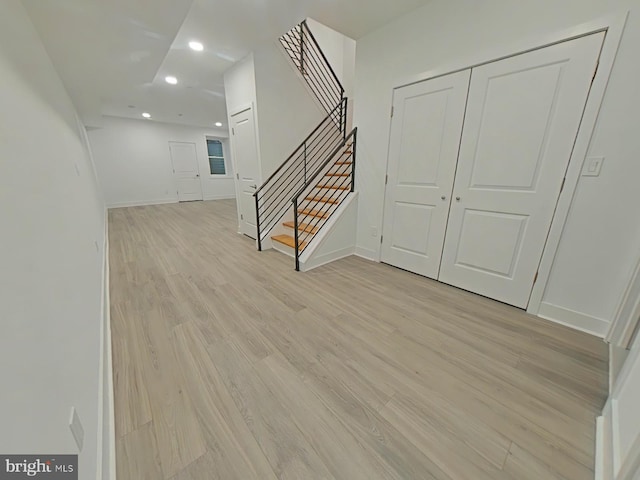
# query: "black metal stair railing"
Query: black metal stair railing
319,175
318,199
311,62
273,198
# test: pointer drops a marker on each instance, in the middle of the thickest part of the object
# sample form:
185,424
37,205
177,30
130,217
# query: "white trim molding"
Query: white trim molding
106,441
614,26
142,203
625,323
576,320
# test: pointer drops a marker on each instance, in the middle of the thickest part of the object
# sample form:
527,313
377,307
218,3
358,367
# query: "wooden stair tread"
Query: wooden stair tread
313,213
342,163
289,241
330,174
330,200
303,227
332,187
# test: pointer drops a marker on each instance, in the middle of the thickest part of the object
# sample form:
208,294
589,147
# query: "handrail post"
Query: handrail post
305,162
342,118
295,233
258,223
301,49
353,161
345,107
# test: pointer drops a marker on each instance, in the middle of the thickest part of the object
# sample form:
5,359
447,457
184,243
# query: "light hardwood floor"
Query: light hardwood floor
230,365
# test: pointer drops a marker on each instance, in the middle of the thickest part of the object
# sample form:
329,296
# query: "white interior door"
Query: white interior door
245,152
523,115
425,136
186,171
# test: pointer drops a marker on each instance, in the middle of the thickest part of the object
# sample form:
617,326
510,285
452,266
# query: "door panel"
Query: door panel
523,115
245,152
186,171
425,134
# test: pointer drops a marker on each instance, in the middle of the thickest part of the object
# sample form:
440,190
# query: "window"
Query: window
216,157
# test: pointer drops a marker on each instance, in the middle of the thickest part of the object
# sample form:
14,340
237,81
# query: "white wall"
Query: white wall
240,85
287,112
134,163
602,234
340,52
51,255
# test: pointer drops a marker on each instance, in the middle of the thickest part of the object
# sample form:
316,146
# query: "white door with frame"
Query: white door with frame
186,171
425,136
245,153
522,119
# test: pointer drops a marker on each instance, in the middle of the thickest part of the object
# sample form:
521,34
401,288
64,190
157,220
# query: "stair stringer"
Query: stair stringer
336,239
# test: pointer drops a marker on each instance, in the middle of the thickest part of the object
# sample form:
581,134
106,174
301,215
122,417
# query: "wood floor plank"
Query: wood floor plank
175,425
284,445
137,455
336,445
230,365
232,447
130,389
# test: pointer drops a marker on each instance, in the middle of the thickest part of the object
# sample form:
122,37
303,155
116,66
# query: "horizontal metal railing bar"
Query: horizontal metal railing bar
314,203
299,147
296,156
315,221
323,206
326,162
324,67
297,168
306,27
298,163
318,148
314,75
326,87
275,209
325,209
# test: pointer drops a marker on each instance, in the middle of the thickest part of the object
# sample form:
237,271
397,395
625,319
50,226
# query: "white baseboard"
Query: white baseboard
106,446
366,253
576,320
600,450
219,197
142,203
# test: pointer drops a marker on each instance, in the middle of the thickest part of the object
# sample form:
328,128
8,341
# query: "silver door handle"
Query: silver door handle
443,197
457,199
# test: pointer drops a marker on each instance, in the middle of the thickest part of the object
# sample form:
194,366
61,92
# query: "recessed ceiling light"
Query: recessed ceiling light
146,115
171,80
218,124
197,46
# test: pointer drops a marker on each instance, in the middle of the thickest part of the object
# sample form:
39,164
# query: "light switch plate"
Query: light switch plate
76,428
592,166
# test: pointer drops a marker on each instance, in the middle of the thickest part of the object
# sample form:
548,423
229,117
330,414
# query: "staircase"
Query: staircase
311,185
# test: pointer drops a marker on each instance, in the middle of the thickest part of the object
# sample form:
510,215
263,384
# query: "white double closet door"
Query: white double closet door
476,165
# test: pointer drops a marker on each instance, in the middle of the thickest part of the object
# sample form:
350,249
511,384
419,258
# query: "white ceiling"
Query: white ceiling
113,55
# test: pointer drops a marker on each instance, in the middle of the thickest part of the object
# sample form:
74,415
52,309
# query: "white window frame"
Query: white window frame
224,157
